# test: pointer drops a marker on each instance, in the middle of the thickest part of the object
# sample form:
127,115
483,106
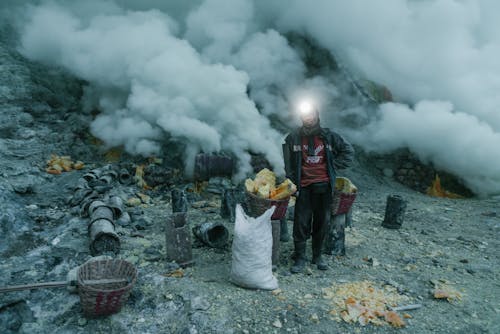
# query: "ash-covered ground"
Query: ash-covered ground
43,238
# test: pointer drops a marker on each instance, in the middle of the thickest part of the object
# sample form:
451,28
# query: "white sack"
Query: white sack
252,251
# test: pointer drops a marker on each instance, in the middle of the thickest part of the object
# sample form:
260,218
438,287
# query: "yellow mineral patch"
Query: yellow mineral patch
58,164
437,190
363,303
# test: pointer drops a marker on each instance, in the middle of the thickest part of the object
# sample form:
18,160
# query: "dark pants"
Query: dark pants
312,215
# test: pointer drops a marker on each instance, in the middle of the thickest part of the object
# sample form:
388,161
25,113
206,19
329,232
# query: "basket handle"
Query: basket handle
60,284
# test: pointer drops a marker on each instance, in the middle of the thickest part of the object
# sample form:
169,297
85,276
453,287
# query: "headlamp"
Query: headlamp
305,108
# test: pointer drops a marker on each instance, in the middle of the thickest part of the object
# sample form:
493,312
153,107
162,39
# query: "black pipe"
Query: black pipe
394,212
213,234
208,165
179,201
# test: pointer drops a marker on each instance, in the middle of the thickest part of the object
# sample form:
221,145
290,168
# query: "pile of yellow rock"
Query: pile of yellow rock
264,186
58,164
363,303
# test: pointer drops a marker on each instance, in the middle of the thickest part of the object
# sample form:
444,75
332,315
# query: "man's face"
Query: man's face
310,119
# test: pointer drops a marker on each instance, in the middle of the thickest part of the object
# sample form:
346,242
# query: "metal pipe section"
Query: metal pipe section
210,165
213,234
103,238
178,240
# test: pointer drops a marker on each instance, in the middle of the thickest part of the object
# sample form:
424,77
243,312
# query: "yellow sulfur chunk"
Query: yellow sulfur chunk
56,167
284,190
265,177
264,191
78,165
250,185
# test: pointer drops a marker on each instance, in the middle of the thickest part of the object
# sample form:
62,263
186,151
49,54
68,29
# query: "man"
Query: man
312,155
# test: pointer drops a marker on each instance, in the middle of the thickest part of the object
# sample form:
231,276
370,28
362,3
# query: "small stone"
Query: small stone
144,198
23,188
373,261
314,317
276,292
133,201
277,323
152,254
82,322
388,172
199,303
142,223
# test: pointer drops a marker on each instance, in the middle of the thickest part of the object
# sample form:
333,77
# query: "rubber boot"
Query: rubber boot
299,258
317,259
284,236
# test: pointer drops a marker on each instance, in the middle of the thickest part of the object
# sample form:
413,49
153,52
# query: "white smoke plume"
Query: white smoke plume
435,132
443,50
216,27
150,83
227,31
188,78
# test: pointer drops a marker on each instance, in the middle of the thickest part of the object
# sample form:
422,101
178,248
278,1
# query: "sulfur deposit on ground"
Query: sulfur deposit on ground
58,164
365,303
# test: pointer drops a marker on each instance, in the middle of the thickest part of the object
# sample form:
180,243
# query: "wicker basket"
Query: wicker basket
257,206
343,196
100,300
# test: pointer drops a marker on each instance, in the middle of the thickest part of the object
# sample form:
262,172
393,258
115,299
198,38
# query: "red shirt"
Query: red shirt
314,168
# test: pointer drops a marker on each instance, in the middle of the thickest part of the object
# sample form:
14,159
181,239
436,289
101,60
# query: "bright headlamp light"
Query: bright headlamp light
305,108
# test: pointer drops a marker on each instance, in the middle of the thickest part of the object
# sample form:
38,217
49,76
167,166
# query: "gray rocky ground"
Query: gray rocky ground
42,238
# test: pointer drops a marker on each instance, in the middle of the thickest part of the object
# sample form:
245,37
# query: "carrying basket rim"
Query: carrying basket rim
270,200
90,288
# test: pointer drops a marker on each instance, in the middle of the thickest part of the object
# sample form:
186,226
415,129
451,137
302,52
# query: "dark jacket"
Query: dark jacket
339,154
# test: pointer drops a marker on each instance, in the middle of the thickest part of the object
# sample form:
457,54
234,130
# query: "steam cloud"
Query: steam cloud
156,75
425,52
150,83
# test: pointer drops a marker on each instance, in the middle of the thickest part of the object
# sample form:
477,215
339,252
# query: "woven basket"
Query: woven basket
344,196
257,206
100,300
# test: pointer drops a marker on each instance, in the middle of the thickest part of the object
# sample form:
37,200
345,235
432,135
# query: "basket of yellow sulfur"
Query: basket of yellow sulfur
344,195
262,193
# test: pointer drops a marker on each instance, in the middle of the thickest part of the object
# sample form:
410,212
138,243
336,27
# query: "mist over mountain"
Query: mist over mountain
213,74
